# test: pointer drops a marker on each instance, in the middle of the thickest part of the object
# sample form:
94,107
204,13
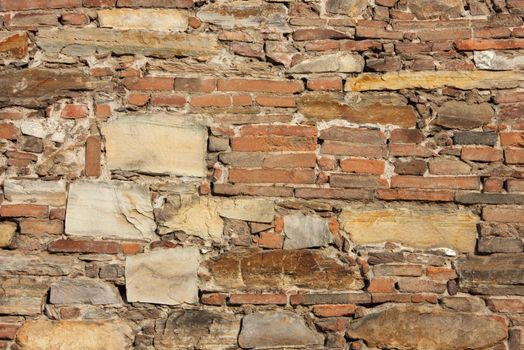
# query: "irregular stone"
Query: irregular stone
475,138
464,80
352,8
282,269
412,227
88,41
164,276
36,191
22,295
466,304
327,106
499,60
251,13
109,209
158,144
13,44
428,328
426,9
463,116
344,63
84,291
276,329
162,20
257,210
45,265
74,335
7,233
198,217
494,270
200,329
305,232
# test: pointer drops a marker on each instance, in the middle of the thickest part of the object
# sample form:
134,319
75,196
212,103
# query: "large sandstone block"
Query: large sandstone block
257,210
22,295
412,227
463,116
157,144
305,232
428,328
88,41
109,209
74,335
165,276
84,291
36,191
427,9
162,20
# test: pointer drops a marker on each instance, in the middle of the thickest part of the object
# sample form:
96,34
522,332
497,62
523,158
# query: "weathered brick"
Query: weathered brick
8,131
397,270
514,155
327,298
93,155
210,101
481,154
273,143
330,84
357,181
83,246
258,299
317,34
363,166
406,136
333,193
336,310
275,101
195,84
512,139
10,5
466,182
489,44
252,85
24,210
296,176
381,285
440,273
39,226
415,195
150,83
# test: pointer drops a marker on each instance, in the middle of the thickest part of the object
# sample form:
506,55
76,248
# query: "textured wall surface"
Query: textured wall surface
318,174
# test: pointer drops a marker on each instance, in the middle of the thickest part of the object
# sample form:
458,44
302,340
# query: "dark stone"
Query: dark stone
475,138
488,198
411,167
500,245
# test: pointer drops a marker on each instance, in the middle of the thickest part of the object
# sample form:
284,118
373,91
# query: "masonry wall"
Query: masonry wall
331,174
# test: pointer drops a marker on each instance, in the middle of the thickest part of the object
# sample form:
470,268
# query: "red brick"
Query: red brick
24,210
481,154
252,85
377,33
512,138
8,331
489,44
336,310
493,185
99,3
195,84
171,100
415,195
275,101
18,5
8,131
500,32
279,130
360,45
406,136
381,285
514,306
434,182
322,45
211,101
290,160
273,143
295,176
75,19
514,185
242,100
326,163
331,84
270,240
503,214
83,246
363,166
129,248
440,273
333,193
216,299
318,34
410,150
103,111
39,226
338,148
194,22
93,154
74,111
150,83
138,99
514,155
258,299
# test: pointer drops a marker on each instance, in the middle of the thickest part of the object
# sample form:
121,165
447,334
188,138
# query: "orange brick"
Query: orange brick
273,143
8,131
172,100
150,83
271,86
216,299
93,154
275,101
270,240
103,111
195,84
514,155
39,226
489,44
294,176
335,310
138,100
493,185
24,210
481,154
512,138
280,130
74,111
440,273
129,248
242,100
211,101
330,84
381,285
258,299
436,182
363,166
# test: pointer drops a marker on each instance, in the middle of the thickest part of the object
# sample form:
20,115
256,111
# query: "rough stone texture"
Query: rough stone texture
83,291
305,232
416,228
22,295
13,263
109,209
330,63
78,335
428,327
7,233
462,116
30,191
152,19
352,8
427,9
155,144
276,329
493,60
166,276
13,44
257,210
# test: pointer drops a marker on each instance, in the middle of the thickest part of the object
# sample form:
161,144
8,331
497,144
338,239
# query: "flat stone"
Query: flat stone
463,116
464,80
110,209
257,210
343,63
7,233
428,328
276,329
88,41
427,9
327,106
162,20
475,138
74,335
240,14
200,329
14,263
500,245
163,276
157,144
412,227
305,232
494,270
489,198
84,291
13,44
22,295
282,269
352,8
499,60
52,193
197,216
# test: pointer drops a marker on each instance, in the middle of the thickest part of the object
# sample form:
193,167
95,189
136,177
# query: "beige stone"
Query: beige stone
464,80
426,9
7,233
22,295
412,227
110,209
36,191
258,210
351,8
344,63
163,20
157,144
74,335
163,276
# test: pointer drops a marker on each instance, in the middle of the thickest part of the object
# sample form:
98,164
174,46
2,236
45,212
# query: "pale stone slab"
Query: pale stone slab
164,276
305,232
465,80
7,233
258,210
411,227
497,60
36,191
12,262
163,20
110,209
155,145
84,291
22,295
344,63
75,335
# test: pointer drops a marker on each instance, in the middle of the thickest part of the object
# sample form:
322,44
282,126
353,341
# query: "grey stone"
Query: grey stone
494,269
500,245
164,276
489,198
475,138
36,191
22,295
463,116
84,291
343,63
276,329
499,60
43,265
305,232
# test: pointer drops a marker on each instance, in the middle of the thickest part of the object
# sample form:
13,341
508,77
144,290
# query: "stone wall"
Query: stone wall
318,174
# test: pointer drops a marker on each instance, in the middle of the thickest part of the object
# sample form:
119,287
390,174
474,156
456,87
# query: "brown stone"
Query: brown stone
22,295
14,44
463,116
427,9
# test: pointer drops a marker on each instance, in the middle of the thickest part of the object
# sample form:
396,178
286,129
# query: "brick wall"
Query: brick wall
325,174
